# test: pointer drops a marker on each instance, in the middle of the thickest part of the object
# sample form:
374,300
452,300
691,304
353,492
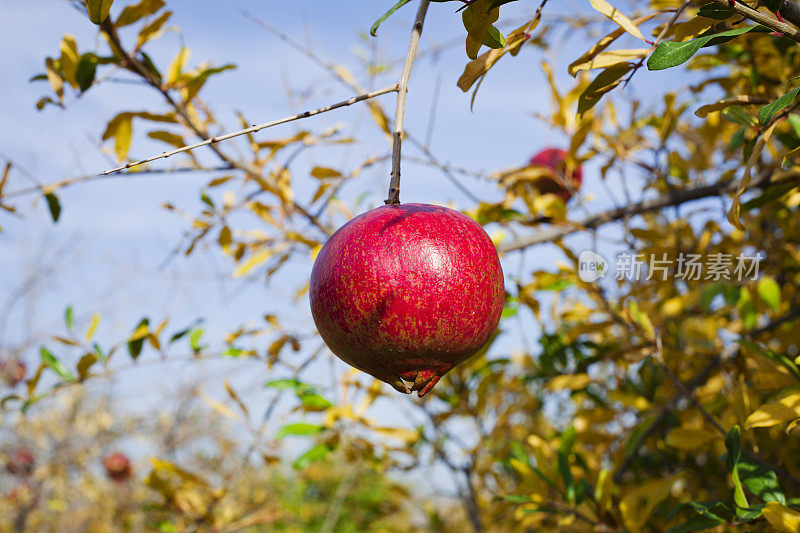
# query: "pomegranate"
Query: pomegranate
21,463
12,372
407,292
556,160
118,467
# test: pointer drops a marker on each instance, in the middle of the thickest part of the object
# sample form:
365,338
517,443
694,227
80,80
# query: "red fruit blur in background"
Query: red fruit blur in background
407,292
21,463
12,372
118,467
556,160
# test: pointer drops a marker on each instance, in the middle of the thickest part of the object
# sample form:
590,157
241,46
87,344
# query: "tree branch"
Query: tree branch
645,206
256,128
397,135
761,18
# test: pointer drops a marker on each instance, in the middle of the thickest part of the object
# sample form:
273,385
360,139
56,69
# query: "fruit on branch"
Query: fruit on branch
12,372
118,467
566,182
407,292
21,463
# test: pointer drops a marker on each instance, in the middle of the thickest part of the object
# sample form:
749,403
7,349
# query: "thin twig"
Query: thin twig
402,90
257,127
645,206
761,18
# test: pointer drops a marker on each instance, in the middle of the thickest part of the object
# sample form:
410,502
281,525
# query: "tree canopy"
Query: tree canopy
645,373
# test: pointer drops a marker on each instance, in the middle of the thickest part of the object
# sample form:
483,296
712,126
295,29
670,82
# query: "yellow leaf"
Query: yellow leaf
54,78
689,439
177,65
255,260
140,333
152,30
219,407
406,435
481,65
122,137
609,59
773,414
639,502
477,18
69,59
325,172
570,381
733,214
781,518
621,20
743,99
605,42
92,327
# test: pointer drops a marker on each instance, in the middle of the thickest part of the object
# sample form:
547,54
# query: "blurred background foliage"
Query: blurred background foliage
651,404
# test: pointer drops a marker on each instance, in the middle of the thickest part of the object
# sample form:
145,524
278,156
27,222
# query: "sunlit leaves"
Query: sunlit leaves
54,363
478,18
618,17
98,10
133,13
671,54
765,113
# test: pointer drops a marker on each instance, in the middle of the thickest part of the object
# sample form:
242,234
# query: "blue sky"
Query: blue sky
105,254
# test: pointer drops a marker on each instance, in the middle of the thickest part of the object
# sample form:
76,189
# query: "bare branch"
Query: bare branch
397,135
762,18
257,127
645,206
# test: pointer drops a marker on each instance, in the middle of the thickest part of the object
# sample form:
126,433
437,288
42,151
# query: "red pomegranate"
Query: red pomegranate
556,160
118,467
407,292
21,463
12,372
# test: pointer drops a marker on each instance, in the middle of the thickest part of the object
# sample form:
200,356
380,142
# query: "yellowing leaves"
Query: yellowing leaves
619,18
572,382
609,59
781,518
772,414
689,439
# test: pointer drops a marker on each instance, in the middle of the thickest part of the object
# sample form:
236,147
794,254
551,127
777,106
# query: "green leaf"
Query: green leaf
604,82
715,11
54,205
98,10
52,362
770,292
314,401
733,444
86,71
494,39
299,429
374,29
566,475
761,481
671,54
68,317
289,383
135,346
766,112
194,340
697,523
315,453
516,498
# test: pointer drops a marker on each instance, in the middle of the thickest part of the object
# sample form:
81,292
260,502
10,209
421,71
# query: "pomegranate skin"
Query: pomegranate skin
555,160
407,292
